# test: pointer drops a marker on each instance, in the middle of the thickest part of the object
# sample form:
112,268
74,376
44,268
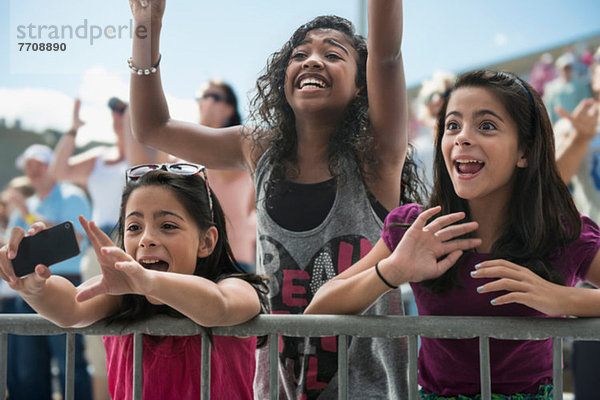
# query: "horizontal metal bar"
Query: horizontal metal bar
333,325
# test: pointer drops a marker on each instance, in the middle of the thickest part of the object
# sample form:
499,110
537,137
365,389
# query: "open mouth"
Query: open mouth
312,83
468,167
155,264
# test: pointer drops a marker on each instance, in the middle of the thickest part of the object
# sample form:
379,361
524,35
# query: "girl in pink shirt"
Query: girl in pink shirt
173,258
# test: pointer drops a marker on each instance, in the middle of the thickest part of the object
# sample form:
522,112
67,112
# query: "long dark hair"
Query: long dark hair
231,99
191,191
275,121
540,221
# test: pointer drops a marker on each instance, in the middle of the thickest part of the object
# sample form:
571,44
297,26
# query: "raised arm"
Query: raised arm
425,251
152,124
137,153
388,105
573,144
64,167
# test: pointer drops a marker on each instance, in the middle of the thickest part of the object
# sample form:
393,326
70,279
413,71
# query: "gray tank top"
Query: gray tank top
298,263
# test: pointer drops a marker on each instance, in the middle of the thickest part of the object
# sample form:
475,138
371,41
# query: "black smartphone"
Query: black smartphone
47,247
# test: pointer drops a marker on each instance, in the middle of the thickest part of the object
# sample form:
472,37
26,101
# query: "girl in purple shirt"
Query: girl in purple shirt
509,241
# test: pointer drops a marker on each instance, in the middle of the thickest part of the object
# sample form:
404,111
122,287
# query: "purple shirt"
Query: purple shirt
451,366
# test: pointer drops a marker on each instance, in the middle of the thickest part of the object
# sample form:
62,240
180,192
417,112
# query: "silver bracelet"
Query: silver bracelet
141,71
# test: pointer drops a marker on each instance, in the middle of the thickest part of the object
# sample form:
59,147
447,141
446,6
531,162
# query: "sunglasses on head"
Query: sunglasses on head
215,96
186,169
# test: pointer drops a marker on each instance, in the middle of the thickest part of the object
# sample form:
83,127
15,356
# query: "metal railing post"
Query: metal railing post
413,356
274,367
70,367
484,368
138,369
205,369
3,362
557,368
342,367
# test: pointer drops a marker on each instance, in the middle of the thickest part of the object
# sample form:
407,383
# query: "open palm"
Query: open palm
426,251
121,274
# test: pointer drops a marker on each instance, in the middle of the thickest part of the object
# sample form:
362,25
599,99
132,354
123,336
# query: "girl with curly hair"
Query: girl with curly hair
327,145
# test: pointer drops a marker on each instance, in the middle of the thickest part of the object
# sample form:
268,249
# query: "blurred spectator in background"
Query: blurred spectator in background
542,73
567,90
578,159
52,203
16,189
429,102
218,107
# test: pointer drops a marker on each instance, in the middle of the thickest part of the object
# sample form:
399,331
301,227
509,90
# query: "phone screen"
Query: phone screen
47,247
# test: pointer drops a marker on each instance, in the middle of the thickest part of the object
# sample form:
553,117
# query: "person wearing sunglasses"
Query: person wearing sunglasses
218,107
100,171
329,159
172,258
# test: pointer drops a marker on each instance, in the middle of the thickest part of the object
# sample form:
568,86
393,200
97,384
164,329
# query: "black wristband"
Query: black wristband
382,278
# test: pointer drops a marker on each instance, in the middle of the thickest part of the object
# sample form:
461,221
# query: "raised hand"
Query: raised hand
584,118
77,122
121,274
524,286
426,251
145,11
30,284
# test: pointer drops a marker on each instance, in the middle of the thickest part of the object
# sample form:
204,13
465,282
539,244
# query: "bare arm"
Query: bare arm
414,259
135,152
355,289
64,167
224,148
228,302
572,145
388,105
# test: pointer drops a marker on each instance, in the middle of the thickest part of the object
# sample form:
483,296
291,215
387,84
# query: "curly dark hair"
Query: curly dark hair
541,220
274,119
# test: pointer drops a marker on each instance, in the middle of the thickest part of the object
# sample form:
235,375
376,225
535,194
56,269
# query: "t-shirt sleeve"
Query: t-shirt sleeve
583,250
75,205
396,223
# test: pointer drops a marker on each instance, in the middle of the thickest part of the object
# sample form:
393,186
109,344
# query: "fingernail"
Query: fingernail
480,288
11,254
477,266
473,273
493,301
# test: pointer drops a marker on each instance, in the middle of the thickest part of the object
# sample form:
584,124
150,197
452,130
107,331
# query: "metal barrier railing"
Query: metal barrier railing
342,326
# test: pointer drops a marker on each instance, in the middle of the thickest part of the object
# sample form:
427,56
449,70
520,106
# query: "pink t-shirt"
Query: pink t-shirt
172,367
449,367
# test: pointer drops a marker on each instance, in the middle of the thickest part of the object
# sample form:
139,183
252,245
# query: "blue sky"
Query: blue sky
232,39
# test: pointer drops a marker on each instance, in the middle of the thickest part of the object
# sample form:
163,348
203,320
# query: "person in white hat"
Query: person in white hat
566,91
52,203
